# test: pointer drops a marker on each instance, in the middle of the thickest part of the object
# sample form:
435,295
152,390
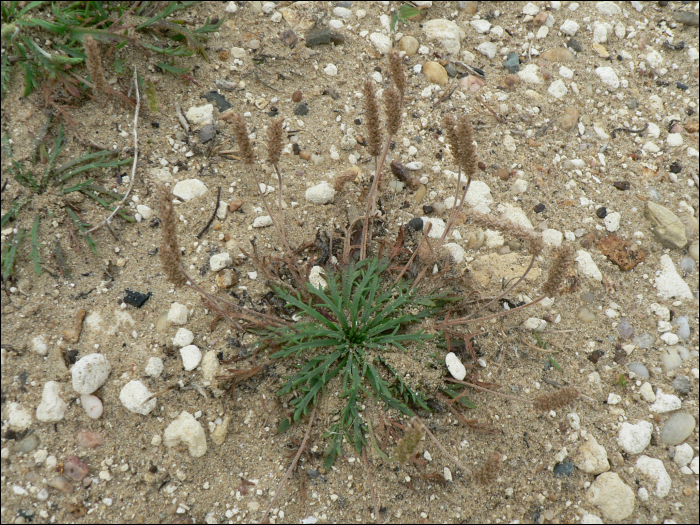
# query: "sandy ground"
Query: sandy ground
135,478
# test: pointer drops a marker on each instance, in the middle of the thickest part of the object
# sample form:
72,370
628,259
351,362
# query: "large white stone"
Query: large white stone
448,33
52,408
669,284
683,455
188,431
201,115
479,194
654,469
592,458
219,261
90,373
134,395
587,266
381,41
481,26
177,314
664,403
191,357
18,417
322,193
674,140
183,337
608,77
633,439
189,189
455,366
612,496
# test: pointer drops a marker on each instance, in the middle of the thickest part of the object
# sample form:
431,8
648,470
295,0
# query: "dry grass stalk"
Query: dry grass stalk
94,63
563,260
410,441
169,252
449,123
275,135
374,139
466,155
490,222
556,399
241,133
397,72
342,178
489,471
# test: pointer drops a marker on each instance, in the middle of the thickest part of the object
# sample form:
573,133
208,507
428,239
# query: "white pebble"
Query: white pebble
90,373
177,314
92,405
52,408
134,395
455,366
154,367
191,356
183,337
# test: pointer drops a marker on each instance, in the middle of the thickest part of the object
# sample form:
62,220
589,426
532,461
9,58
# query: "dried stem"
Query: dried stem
291,467
371,485
444,450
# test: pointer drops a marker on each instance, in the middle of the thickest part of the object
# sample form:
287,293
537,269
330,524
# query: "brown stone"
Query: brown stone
502,173
72,334
692,127
620,252
510,82
558,54
569,119
541,18
435,73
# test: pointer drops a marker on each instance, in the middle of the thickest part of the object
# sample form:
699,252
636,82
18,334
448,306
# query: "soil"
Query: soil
149,482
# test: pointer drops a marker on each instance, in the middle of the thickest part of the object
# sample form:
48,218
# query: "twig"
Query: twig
182,119
371,485
630,131
498,117
292,466
133,164
512,398
444,450
213,215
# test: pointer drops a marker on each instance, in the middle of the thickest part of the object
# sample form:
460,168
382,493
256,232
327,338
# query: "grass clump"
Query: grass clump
352,322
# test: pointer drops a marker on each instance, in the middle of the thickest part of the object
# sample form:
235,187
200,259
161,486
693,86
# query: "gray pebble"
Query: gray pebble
678,427
451,71
640,370
681,384
323,36
563,469
643,340
313,473
512,63
632,103
687,264
574,44
625,329
301,109
347,5
28,444
207,133
683,330
687,18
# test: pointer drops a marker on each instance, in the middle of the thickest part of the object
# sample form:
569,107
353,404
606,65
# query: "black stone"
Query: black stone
427,208
215,98
155,124
416,224
681,85
575,45
601,212
301,109
675,167
622,185
136,299
540,208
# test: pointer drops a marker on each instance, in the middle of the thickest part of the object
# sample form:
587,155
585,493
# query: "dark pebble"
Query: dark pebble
451,71
563,469
296,149
681,85
313,473
207,133
512,63
681,384
573,44
687,18
155,124
323,36
601,212
344,4
136,299
593,357
427,208
358,122
675,167
540,208
301,109
622,185
219,100
416,224
289,38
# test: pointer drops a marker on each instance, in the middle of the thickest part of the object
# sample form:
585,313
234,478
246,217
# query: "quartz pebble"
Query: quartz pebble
154,367
52,408
322,193
639,369
90,373
678,427
665,403
92,405
75,468
183,337
446,32
191,356
219,261
187,430
18,416
633,439
625,329
669,284
683,330
683,454
612,496
654,469
189,189
134,395
592,458
455,366
177,314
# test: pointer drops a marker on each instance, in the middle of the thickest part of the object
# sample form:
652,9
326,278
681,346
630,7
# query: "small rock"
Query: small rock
409,44
331,70
563,469
587,266
134,395
207,133
529,74
88,439
316,278
569,27
488,49
608,8
668,283
575,45
322,193
592,458
569,119
201,116
62,485
448,33
75,468
633,439
670,358
301,109
218,435
227,278
608,76
435,73
683,454
381,41
481,26
52,408
512,63
324,36
187,430
665,403
455,366
262,222
183,337
93,405
18,417
683,331
191,356
681,384
687,18
678,427
654,469
457,253
177,314
558,54
646,391
612,221
28,444
625,329
612,496
90,373
620,252
154,367
557,89
219,261
210,366
666,226
189,189
39,345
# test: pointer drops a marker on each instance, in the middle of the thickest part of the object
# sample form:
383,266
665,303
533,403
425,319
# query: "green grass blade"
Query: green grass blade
35,246
9,253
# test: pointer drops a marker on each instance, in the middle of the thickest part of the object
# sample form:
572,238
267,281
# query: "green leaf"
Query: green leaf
172,69
284,425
